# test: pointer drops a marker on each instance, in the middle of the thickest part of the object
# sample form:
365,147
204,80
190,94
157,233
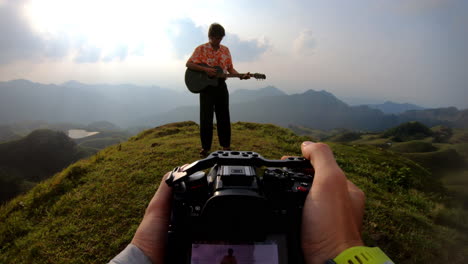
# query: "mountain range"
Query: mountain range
389,107
319,110
81,103
131,106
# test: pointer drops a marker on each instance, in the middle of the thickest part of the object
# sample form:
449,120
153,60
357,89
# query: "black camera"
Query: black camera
246,208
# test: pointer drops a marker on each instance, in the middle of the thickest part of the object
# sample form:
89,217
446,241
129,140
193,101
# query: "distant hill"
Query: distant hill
450,116
7,134
443,151
313,109
102,126
23,128
34,158
94,143
244,95
408,131
90,211
108,133
81,103
395,108
45,150
147,106
317,110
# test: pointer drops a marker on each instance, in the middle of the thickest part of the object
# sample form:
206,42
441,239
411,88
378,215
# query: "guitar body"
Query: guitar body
197,81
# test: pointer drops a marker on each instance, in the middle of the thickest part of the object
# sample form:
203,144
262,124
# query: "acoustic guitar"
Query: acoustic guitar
197,81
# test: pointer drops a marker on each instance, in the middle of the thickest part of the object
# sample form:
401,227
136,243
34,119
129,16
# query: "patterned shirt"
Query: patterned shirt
206,54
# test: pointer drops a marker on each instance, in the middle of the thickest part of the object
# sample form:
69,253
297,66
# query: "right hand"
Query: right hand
211,71
333,210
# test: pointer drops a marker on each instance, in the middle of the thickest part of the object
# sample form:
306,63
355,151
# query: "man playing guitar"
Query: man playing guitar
214,99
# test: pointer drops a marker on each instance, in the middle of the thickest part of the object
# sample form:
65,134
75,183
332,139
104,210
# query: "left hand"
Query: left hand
151,235
245,76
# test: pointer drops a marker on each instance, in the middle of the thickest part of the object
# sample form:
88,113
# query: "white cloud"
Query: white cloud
185,36
17,41
245,50
88,54
120,52
305,43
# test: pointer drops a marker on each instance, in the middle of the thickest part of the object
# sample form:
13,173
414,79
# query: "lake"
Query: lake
80,133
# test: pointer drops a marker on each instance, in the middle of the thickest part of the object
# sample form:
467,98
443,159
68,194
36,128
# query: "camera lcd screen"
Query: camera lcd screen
224,253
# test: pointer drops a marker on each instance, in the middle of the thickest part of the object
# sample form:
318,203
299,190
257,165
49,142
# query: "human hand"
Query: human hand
211,71
333,210
151,235
245,76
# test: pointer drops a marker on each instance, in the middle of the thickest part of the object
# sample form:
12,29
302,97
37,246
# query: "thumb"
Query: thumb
319,154
327,172
160,204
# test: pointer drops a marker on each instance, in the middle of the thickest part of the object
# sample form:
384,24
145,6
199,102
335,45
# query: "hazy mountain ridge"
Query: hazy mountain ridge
7,134
130,105
320,110
448,116
102,126
244,95
313,109
389,107
82,103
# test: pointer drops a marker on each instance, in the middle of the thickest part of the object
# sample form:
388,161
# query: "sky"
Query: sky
371,51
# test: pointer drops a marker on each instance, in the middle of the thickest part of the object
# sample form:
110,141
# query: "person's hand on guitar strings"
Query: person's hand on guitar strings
211,71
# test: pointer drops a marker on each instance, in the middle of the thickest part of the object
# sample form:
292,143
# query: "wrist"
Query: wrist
321,253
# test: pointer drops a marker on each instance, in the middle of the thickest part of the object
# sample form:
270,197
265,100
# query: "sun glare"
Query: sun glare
105,23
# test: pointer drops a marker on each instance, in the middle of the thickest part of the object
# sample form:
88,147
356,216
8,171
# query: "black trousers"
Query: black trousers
215,99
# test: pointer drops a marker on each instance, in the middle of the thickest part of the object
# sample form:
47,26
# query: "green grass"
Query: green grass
438,161
89,212
462,149
413,146
459,136
100,143
372,139
456,181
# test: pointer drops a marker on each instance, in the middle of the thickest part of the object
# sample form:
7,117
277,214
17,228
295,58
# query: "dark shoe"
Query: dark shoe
204,153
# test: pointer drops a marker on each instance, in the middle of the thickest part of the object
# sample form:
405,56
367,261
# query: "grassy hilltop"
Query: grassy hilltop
89,212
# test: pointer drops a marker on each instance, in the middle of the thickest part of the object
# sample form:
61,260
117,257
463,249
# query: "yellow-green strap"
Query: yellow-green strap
362,255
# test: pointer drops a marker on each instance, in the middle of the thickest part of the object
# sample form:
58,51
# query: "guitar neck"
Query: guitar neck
231,75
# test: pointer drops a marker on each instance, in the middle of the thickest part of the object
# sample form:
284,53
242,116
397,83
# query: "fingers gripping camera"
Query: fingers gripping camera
245,201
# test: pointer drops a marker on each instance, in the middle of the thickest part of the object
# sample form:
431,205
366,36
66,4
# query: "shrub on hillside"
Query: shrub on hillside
442,134
408,131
